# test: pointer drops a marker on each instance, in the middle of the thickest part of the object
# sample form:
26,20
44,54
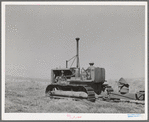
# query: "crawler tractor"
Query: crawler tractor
71,82
82,83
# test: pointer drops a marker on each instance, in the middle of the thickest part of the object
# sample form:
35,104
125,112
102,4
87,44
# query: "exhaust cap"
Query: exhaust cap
91,63
77,39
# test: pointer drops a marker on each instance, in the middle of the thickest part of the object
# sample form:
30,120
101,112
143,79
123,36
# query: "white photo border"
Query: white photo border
64,116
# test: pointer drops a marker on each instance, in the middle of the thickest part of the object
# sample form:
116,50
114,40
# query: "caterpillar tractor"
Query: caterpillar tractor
86,83
71,82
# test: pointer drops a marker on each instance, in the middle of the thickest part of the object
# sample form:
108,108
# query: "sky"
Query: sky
39,38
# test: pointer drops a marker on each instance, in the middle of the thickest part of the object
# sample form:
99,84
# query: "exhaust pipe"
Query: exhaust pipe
77,55
77,72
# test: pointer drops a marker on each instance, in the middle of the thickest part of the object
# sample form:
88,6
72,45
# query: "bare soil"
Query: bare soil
28,96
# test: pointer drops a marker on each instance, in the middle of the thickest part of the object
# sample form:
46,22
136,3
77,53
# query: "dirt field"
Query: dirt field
28,96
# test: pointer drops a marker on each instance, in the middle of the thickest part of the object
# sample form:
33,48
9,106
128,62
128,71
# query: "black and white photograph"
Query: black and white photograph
74,61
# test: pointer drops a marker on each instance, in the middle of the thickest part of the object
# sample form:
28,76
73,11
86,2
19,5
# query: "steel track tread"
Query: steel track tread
91,93
89,90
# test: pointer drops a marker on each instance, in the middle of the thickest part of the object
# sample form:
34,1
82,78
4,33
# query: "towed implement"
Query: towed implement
83,83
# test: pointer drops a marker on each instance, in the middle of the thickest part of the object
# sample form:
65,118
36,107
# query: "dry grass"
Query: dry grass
28,96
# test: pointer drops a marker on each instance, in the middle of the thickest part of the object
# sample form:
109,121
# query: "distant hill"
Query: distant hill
19,78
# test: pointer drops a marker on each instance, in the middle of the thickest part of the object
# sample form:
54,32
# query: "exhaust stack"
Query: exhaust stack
77,72
77,55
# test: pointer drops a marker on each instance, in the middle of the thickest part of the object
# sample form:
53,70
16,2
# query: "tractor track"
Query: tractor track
76,88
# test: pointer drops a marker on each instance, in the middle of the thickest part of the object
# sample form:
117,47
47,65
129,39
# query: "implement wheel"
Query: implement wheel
140,95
